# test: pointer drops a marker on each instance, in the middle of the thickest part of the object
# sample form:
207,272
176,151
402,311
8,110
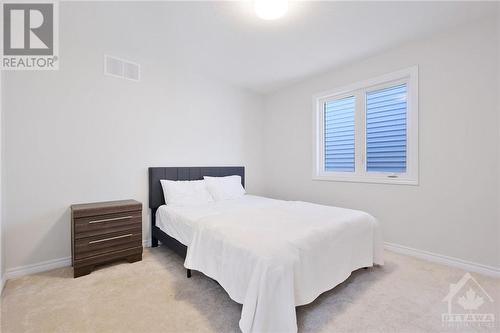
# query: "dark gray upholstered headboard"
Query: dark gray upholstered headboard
156,198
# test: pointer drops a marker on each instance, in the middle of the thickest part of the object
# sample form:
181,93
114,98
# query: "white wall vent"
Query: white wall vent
120,68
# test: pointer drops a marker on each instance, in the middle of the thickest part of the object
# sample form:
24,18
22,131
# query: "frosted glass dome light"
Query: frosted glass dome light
270,9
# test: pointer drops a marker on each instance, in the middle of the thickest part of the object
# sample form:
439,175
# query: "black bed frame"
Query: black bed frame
156,198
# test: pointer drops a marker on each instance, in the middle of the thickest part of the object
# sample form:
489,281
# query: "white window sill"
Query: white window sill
357,179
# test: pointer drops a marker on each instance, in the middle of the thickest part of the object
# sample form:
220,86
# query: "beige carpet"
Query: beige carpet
155,296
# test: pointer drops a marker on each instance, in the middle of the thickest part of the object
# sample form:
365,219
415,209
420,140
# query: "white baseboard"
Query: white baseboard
445,260
43,266
16,272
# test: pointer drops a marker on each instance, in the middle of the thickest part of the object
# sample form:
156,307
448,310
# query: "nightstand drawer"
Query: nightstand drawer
104,224
86,265
96,245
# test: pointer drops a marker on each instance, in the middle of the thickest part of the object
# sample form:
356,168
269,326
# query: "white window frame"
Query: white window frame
359,90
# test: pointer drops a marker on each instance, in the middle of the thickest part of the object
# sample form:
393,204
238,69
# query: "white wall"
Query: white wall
454,209
75,135
2,244
498,110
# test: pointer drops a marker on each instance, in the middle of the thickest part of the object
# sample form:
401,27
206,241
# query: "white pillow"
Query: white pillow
224,188
185,192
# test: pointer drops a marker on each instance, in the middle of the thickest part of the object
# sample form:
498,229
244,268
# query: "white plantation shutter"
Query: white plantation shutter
386,135
339,135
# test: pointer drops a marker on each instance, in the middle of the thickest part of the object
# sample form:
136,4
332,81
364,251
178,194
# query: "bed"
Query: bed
269,255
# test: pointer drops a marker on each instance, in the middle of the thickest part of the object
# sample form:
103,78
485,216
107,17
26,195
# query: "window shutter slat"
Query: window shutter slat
386,129
339,134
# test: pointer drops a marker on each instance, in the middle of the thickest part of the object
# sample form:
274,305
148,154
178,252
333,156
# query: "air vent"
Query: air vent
120,68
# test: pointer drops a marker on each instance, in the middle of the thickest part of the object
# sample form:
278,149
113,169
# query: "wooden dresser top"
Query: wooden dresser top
105,207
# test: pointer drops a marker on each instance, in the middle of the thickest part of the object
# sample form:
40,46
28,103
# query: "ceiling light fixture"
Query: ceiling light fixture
270,9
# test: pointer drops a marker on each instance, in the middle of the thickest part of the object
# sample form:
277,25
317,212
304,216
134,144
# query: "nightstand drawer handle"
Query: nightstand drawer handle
112,219
110,238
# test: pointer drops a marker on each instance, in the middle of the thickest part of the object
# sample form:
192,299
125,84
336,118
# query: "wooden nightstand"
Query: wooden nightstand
102,232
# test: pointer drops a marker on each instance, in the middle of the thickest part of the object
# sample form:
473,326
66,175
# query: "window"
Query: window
339,134
368,132
386,129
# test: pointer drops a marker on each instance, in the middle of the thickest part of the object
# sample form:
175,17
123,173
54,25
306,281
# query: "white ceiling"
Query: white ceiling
227,40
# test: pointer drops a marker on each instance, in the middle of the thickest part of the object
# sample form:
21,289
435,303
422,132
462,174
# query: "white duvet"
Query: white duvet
273,255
